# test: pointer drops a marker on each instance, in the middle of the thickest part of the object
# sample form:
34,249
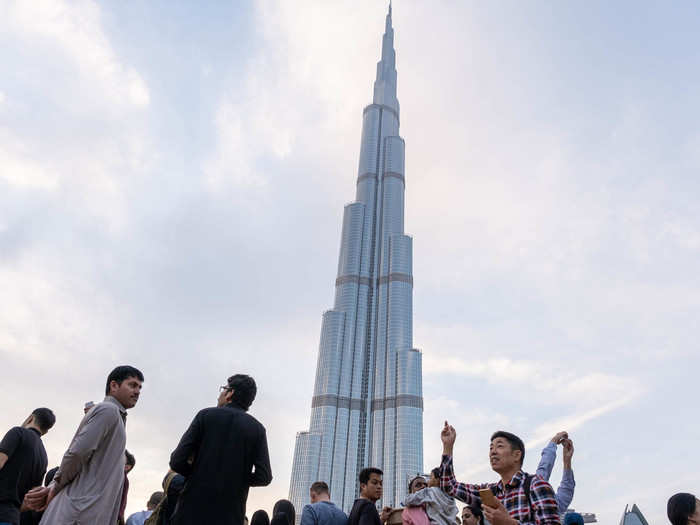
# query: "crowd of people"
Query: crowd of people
224,452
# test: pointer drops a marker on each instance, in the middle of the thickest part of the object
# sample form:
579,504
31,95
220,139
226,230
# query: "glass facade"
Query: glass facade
367,407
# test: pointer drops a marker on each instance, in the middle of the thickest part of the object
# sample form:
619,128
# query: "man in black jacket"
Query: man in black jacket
222,454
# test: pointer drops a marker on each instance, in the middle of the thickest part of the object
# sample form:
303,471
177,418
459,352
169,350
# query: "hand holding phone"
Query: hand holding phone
488,498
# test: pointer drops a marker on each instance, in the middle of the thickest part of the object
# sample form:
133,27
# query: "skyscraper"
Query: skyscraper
367,408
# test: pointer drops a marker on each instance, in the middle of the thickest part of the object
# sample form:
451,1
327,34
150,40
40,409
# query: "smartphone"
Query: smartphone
488,498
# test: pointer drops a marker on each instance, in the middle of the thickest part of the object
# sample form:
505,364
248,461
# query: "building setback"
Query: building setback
367,407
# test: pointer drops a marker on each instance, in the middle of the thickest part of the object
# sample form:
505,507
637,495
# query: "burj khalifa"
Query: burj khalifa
367,407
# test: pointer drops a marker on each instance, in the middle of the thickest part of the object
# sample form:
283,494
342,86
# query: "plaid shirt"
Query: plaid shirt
544,505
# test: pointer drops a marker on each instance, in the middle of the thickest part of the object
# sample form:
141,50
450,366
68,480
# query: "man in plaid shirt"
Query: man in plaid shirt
506,453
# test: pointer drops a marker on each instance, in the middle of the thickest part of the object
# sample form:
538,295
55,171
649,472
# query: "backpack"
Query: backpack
157,516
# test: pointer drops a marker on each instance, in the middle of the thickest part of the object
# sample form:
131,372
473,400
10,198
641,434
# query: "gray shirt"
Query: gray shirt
90,478
440,508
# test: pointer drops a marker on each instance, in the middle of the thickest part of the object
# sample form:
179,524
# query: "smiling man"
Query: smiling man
88,485
520,497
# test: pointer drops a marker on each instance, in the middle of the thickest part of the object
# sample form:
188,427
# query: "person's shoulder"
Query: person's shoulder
538,483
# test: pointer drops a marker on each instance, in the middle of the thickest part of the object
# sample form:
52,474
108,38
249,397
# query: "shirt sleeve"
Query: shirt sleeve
565,492
85,442
545,503
465,492
418,498
549,455
262,475
307,515
11,441
186,450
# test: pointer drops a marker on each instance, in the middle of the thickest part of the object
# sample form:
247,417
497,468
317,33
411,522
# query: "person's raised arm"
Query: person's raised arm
8,444
565,492
549,455
462,491
182,457
262,475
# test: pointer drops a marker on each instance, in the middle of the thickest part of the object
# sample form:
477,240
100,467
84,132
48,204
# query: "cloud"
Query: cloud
75,30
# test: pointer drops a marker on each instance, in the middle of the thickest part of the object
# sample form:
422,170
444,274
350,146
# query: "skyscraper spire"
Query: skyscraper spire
367,408
385,83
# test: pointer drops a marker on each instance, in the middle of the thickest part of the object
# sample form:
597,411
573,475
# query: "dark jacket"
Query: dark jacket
229,451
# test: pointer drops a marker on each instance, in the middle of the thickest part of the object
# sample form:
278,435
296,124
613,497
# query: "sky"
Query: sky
172,181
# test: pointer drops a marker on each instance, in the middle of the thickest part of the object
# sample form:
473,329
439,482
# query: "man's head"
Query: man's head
683,509
573,518
319,492
416,484
130,461
507,452
88,406
240,390
124,385
42,419
371,483
154,500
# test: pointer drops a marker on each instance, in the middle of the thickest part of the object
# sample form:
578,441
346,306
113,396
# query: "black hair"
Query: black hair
260,517
121,373
283,507
320,487
130,459
44,418
436,472
244,390
515,442
680,507
475,509
49,476
410,483
366,472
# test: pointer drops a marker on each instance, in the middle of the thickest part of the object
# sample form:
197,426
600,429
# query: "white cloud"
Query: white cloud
75,29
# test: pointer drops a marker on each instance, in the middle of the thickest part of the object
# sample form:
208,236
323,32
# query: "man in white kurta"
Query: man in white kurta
89,481
88,485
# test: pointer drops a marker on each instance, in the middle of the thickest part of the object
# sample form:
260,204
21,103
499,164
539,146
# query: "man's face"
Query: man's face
127,392
225,395
313,497
502,455
372,490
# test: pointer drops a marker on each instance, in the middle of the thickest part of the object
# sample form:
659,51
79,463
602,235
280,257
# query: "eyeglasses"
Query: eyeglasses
224,388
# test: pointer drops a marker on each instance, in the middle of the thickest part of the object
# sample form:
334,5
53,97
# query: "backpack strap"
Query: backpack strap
526,487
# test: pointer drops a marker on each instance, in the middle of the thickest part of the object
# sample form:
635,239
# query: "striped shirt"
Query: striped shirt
542,505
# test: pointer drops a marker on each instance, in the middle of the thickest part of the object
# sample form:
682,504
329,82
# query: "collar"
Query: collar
514,482
35,430
113,400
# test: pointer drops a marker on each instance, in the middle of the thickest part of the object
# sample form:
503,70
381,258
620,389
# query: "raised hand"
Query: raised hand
568,452
559,437
448,437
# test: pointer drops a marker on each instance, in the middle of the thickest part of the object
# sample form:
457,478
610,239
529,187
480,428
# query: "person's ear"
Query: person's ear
229,396
518,455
